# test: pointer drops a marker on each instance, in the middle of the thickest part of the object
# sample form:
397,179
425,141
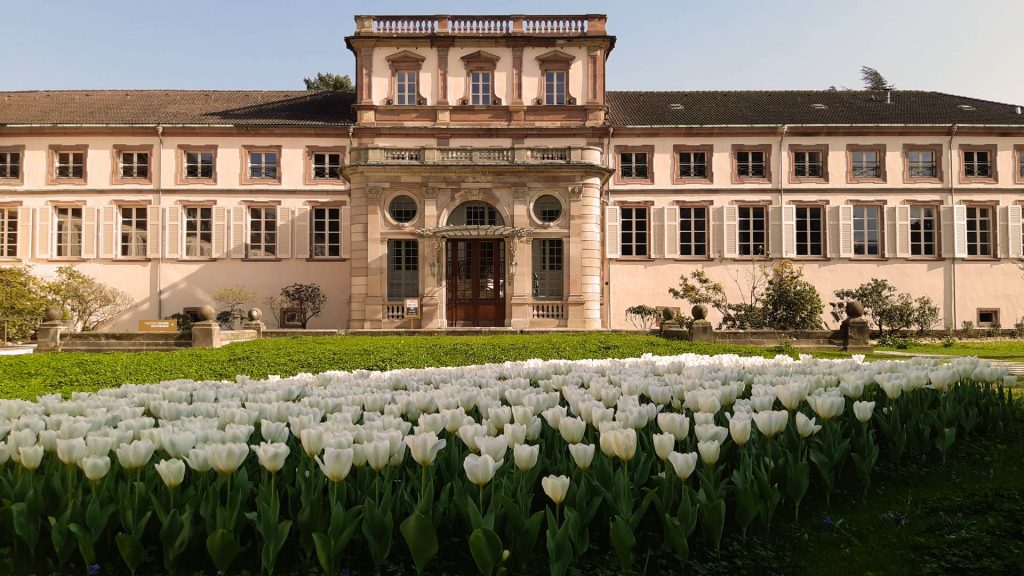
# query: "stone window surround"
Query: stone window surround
707,149
823,205
262,205
479,61
882,232
993,230
20,151
119,223
1018,157
179,174
183,206
935,149
54,206
648,206
707,205
992,160
766,149
247,151
937,232
766,206
51,173
308,173
115,164
313,205
995,316
557,222
878,149
404,61
821,149
12,207
647,149
385,208
554,61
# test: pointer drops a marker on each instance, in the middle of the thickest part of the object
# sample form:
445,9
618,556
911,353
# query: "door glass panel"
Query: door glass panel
487,287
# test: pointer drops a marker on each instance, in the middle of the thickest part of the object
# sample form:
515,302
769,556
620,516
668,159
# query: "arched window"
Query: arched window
475,213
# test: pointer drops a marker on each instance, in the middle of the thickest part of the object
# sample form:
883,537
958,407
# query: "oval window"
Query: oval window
547,209
402,209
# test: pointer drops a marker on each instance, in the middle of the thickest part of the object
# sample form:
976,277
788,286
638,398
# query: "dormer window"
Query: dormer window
405,79
554,68
480,74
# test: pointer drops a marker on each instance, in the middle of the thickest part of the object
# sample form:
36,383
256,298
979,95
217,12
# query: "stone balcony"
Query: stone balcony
437,155
482,25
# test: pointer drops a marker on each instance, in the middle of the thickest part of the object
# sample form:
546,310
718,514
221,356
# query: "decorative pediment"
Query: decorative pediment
405,57
556,57
481,57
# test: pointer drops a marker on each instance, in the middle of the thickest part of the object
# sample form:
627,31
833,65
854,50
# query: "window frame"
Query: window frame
822,207
199,232
706,206
554,61
119,238
10,213
263,243
1018,164
936,208
410,62
707,150
880,218
765,231
647,210
993,230
310,176
537,217
936,150
851,175
56,234
992,151
821,150
327,243
625,180
247,178
765,149
480,62
181,174
418,210
54,151
414,272
993,311
20,151
538,256
117,172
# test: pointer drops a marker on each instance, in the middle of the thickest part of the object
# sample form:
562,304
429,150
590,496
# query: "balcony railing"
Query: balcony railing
394,311
483,25
468,155
548,310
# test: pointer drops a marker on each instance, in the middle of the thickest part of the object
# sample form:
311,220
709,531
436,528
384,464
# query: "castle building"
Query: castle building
482,175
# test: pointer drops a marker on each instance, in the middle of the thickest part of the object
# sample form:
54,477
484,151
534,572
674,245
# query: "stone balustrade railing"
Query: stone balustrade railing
469,155
483,25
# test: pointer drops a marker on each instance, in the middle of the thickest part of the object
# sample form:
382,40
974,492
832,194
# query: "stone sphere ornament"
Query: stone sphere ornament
699,312
854,309
53,313
207,313
255,315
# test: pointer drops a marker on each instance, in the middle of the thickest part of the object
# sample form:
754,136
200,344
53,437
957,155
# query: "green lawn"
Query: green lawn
1008,350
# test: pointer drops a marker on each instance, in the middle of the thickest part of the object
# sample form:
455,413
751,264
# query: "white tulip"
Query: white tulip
424,447
97,445
572,429
771,422
525,456
336,463
709,451
135,455
172,472
30,456
496,447
5,453
71,450
863,410
739,428
480,469
197,460
582,455
312,441
827,406
377,454
705,432
683,463
678,425
226,458
275,432
624,444
95,467
271,456
556,487
178,444
664,443
806,426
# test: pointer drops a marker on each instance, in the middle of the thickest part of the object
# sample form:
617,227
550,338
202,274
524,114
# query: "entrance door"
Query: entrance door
476,282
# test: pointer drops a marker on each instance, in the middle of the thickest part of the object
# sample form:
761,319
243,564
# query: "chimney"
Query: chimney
888,96
1016,109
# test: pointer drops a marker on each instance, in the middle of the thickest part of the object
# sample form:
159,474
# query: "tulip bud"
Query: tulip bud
582,455
709,451
424,447
863,410
664,443
525,456
480,469
336,463
271,456
377,454
806,426
556,487
135,455
95,467
739,429
683,464
172,472
572,429
30,456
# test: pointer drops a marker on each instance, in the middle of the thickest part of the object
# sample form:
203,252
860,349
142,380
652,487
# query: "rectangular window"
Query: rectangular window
327,165
10,165
263,165
198,232
922,164
693,231
865,164
69,232
554,87
69,165
134,165
633,165
480,88
980,238
481,215
753,227
326,232
867,238
751,164
924,239
134,231
548,277
262,232
977,164
988,318
634,231
693,164
8,232
199,164
810,231
403,269
405,87
1020,164
808,164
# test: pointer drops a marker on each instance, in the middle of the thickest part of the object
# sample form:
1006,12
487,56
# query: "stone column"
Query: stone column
358,264
701,330
255,322
856,330
431,276
376,261
206,333
48,333
584,255
519,283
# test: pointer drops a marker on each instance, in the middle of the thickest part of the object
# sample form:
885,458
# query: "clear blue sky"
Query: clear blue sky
970,48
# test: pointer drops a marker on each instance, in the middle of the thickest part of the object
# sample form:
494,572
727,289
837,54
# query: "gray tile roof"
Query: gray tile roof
812,107
192,107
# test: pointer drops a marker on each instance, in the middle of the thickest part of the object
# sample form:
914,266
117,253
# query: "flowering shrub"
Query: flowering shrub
325,467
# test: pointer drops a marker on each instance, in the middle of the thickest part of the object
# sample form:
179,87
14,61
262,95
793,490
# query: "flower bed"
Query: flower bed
368,468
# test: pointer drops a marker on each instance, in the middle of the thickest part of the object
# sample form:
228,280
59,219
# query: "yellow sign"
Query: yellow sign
158,325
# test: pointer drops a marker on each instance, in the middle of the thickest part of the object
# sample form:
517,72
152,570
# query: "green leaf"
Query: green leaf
131,549
223,548
675,538
419,535
85,542
620,534
485,546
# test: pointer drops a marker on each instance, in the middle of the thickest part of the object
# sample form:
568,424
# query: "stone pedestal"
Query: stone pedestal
206,334
48,336
701,331
259,327
856,333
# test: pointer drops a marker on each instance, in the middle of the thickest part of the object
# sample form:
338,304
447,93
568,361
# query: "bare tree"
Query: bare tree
89,303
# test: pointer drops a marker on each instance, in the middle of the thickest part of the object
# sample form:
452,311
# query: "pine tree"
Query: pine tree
873,79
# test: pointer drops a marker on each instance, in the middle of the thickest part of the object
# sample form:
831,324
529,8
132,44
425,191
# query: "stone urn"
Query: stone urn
854,309
53,313
207,313
255,315
699,312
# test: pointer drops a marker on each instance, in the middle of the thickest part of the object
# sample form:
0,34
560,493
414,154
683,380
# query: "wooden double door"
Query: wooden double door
475,270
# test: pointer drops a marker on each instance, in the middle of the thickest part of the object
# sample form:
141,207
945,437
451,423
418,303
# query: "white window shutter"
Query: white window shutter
1014,231
44,222
25,233
960,231
172,243
657,240
730,231
108,232
948,232
346,232
891,232
237,232
845,231
300,224
284,232
613,235
89,232
774,224
1002,248
220,231
153,231
672,232
788,231
902,231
